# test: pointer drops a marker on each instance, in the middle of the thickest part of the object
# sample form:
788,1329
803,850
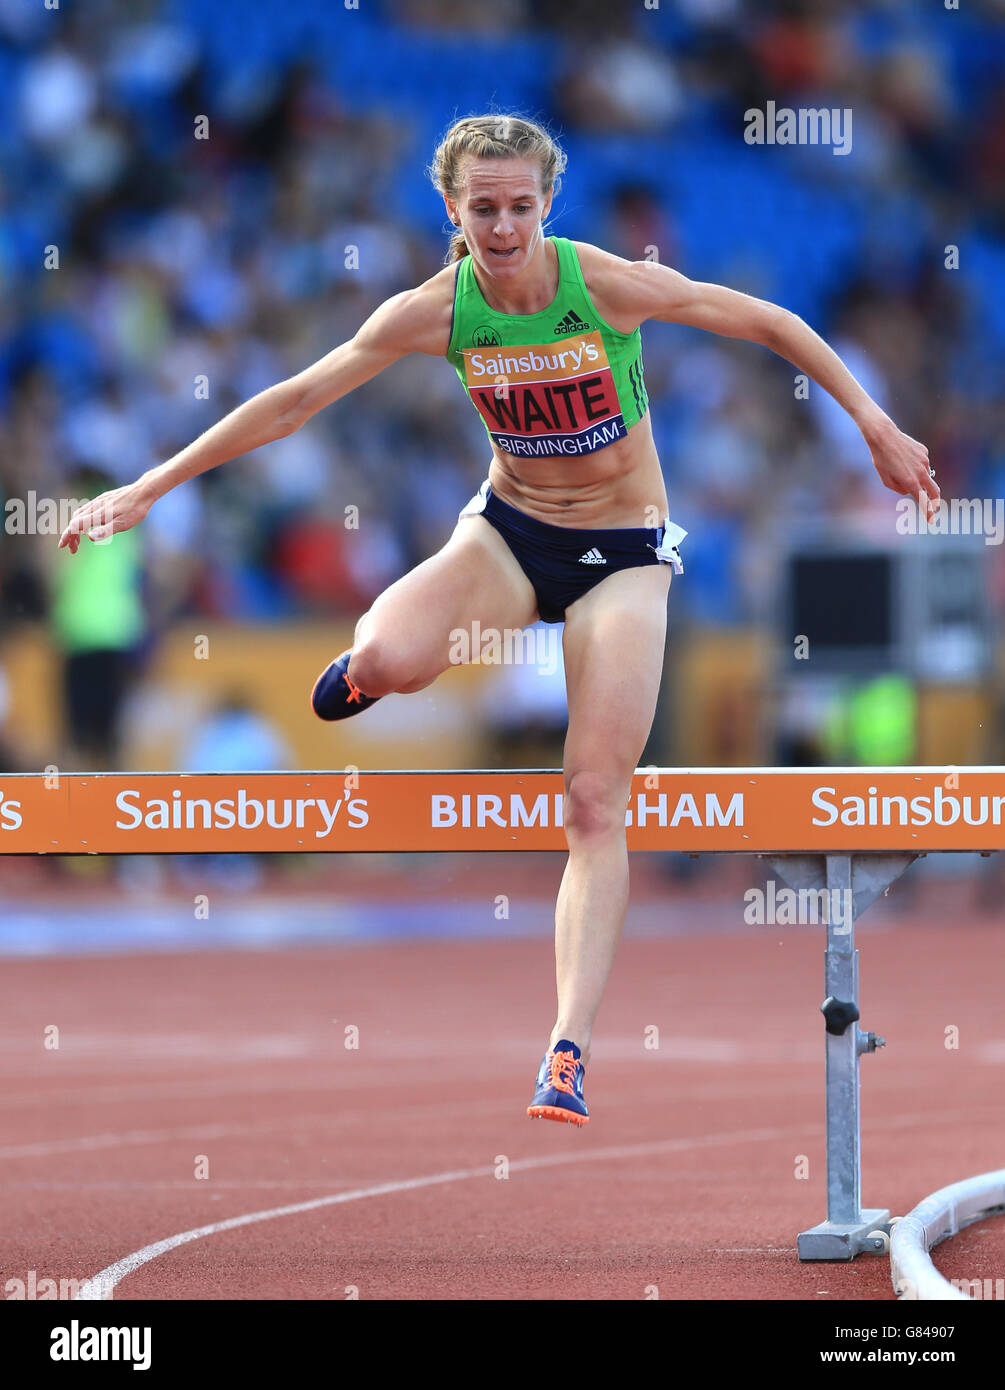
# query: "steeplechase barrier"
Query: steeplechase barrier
846,832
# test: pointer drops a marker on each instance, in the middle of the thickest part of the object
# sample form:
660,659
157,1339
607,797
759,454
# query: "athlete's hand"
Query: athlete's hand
902,463
103,516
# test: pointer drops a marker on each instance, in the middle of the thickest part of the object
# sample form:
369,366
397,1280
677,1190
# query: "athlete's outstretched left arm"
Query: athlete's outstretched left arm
658,292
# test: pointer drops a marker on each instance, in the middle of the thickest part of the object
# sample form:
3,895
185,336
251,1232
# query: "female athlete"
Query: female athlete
571,524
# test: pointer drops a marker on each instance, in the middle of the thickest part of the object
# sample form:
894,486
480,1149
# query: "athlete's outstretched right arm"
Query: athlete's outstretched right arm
408,322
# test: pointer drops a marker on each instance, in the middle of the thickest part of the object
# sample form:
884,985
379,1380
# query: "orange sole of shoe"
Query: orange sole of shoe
555,1112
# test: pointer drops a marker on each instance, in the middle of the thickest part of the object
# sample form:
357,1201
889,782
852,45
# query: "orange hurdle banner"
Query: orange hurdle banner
746,810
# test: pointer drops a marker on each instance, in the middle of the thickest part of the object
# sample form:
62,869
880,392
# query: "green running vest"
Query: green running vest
561,381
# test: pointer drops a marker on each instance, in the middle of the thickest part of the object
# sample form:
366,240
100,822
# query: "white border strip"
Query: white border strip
942,1214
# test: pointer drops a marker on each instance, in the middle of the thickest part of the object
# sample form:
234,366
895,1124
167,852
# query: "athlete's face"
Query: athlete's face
500,210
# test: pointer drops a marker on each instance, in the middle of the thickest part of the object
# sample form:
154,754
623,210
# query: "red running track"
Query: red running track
684,1182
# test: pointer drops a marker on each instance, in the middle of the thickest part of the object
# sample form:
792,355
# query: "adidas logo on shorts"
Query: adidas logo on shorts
572,323
592,557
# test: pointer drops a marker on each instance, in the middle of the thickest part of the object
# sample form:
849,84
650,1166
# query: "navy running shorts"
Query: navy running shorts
564,562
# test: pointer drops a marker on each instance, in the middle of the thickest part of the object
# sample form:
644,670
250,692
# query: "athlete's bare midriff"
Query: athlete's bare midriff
620,485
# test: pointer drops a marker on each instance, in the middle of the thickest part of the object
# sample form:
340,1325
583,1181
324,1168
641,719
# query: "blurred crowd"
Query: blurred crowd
151,280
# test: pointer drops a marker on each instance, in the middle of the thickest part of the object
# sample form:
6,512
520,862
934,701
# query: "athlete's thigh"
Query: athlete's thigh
474,578
614,642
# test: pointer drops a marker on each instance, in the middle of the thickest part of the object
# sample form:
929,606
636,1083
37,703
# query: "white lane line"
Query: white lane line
95,1142
102,1285
179,1047
199,1050
180,1185
86,1096
91,1142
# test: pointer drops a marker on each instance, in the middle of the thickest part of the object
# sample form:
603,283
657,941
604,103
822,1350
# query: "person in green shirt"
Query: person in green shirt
97,620
872,724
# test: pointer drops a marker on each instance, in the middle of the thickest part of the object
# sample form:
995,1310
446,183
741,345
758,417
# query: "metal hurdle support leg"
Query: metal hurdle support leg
853,881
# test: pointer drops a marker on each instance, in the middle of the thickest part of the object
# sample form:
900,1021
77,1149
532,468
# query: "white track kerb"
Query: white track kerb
939,1216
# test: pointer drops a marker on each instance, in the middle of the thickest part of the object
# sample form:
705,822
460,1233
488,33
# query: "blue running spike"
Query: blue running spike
334,696
559,1094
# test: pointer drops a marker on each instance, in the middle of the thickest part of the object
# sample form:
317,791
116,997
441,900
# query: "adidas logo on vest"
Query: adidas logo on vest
572,323
592,557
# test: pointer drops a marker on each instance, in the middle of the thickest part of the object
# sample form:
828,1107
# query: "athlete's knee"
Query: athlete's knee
594,805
